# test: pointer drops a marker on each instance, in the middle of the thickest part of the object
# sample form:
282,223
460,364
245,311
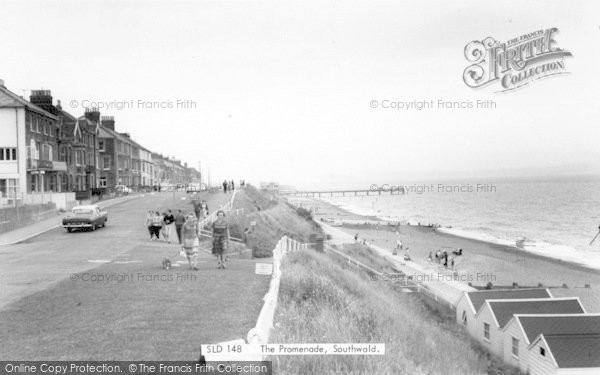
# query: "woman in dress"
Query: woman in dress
189,235
220,234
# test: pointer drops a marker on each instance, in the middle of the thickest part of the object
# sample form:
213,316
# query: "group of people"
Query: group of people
187,227
158,224
230,185
443,256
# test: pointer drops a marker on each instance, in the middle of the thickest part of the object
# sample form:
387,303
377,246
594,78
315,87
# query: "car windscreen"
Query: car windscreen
82,212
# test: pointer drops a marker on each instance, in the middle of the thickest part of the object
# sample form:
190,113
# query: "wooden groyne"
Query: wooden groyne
343,193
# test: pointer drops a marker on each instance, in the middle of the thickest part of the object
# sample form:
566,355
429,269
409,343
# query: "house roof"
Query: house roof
479,297
534,325
9,99
503,310
575,351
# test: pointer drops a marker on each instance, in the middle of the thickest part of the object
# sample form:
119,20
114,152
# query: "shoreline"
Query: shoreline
446,230
481,262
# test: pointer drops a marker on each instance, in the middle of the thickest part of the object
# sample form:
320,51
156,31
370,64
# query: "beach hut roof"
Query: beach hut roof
503,310
478,298
557,324
573,351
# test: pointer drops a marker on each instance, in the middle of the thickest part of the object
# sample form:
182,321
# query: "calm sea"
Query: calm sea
558,218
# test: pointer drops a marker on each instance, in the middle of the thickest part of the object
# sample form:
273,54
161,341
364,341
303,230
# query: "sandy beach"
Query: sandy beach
481,262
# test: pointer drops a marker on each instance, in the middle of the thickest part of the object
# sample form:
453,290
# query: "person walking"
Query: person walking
179,221
232,185
157,223
149,218
220,234
204,208
225,186
189,234
168,219
197,208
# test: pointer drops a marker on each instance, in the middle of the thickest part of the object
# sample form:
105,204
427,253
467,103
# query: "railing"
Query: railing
259,335
227,207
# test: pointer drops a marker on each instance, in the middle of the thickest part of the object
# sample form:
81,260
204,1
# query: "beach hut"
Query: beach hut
470,302
565,355
523,329
495,314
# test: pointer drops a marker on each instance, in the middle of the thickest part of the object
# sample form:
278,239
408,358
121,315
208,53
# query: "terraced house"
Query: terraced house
30,169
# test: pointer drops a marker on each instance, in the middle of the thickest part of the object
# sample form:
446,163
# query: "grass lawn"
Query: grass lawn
322,299
137,312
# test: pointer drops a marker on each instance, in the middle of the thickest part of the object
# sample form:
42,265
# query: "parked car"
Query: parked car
122,189
85,217
193,188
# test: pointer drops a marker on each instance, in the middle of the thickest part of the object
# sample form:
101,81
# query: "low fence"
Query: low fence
415,285
12,218
227,207
259,334
62,201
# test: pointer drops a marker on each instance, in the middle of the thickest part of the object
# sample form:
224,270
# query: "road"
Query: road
40,262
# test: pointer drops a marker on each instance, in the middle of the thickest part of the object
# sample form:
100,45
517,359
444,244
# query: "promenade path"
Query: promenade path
104,294
438,283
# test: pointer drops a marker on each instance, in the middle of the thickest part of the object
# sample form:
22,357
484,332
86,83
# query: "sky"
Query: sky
282,90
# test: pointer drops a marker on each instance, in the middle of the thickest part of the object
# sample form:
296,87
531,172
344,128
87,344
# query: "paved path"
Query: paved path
438,282
35,263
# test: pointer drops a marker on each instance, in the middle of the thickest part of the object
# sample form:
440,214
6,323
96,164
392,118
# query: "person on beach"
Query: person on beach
356,237
157,223
399,244
220,234
189,234
430,258
445,259
179,221
438,255
149,218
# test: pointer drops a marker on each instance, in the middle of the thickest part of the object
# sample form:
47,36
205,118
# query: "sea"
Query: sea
555,218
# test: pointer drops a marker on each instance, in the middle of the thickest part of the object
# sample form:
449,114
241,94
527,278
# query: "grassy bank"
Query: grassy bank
322,299
273,218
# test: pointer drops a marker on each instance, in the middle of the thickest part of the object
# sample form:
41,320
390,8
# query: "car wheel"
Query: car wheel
69,230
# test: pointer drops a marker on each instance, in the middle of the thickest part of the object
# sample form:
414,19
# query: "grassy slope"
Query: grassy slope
323,300
274,220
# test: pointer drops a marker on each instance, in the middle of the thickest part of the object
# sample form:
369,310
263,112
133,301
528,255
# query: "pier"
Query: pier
343,193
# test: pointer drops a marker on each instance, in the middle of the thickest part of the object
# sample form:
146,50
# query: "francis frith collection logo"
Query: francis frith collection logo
514,63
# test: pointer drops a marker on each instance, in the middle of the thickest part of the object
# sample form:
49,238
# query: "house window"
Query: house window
8,154
542,352
515,347
102,181
106,160
101,145
486,331
464,317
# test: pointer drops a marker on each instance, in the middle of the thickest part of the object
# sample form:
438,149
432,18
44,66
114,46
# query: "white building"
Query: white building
523,329
495,314
13,150
565,355
470,303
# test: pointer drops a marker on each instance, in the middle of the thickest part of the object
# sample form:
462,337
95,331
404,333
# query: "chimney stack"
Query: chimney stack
92,114
42,98
2,83
108,122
